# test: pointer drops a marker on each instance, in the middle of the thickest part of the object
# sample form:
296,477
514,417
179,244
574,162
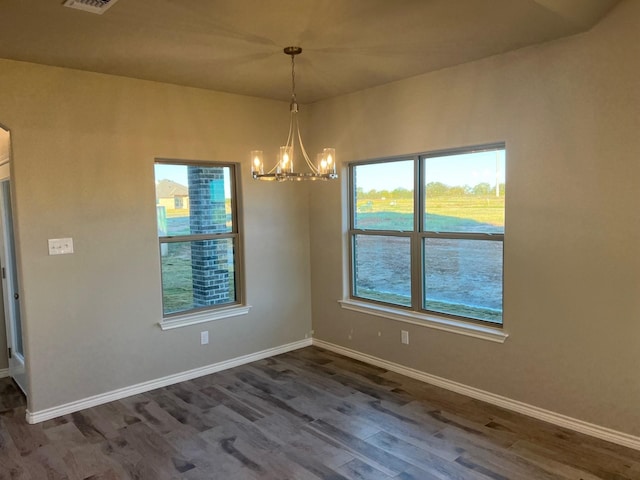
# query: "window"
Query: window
427,232
198,235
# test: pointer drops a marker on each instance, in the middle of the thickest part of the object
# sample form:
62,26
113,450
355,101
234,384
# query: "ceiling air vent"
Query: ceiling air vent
93,6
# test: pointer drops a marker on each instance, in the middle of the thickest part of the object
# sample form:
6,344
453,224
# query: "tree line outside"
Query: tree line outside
435,189
393,209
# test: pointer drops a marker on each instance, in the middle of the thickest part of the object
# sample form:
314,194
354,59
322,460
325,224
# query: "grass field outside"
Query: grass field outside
474,213
462,277
177,275
459,280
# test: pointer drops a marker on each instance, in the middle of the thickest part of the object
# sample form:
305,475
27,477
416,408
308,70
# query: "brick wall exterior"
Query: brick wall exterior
209,258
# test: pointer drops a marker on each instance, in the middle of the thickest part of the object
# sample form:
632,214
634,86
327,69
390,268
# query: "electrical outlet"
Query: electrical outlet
404,337
204,337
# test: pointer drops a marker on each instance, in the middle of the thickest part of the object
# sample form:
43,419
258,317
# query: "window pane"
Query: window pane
197,274
465,192
384,196
193,199
382,268
464,278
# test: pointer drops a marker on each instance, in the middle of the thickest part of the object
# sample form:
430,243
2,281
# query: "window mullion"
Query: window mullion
195,238
497,237
416,250
352,209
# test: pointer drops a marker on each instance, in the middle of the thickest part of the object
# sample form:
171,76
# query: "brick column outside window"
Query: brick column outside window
209,258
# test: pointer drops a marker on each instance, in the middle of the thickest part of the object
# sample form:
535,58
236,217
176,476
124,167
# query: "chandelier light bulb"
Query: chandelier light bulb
257,165
319,160
329,154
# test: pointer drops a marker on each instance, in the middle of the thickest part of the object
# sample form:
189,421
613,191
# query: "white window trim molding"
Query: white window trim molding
202,317
445,324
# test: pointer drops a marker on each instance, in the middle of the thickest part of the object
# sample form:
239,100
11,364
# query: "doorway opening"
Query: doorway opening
12,332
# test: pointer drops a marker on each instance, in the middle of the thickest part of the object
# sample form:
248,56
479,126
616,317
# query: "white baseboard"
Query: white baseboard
4,372
587,428
49,413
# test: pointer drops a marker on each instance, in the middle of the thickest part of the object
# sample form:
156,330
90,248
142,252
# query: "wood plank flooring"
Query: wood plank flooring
308,414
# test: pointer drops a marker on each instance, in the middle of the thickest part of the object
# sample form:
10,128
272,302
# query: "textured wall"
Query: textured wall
84,146
569,113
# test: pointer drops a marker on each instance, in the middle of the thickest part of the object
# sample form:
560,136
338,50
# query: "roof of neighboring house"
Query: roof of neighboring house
169,189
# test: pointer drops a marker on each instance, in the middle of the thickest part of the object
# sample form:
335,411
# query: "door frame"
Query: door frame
10,284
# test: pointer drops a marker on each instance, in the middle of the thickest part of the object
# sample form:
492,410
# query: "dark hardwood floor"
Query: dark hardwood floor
303,415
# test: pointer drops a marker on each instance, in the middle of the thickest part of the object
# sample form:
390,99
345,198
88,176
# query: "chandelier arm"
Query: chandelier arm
275,167
291,136
304,153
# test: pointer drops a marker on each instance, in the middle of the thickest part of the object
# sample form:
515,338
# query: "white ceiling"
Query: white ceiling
236,45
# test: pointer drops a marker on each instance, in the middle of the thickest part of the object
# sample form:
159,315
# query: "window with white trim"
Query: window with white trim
198,235
427,232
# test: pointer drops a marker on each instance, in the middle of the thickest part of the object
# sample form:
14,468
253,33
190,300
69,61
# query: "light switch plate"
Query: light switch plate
60,246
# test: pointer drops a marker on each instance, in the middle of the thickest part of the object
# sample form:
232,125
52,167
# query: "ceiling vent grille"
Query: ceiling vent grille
93,6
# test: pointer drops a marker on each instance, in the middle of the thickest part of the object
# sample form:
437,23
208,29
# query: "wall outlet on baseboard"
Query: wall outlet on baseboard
204,337
404,337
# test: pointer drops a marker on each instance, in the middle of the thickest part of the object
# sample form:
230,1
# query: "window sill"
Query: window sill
483,332
202,317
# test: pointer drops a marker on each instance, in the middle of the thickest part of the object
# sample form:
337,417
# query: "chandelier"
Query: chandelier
325,165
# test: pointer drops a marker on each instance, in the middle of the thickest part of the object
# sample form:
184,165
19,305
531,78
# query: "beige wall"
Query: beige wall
83,152
569,112
5,145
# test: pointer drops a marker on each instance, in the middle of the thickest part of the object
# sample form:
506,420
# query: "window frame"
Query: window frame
417,240
224,310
